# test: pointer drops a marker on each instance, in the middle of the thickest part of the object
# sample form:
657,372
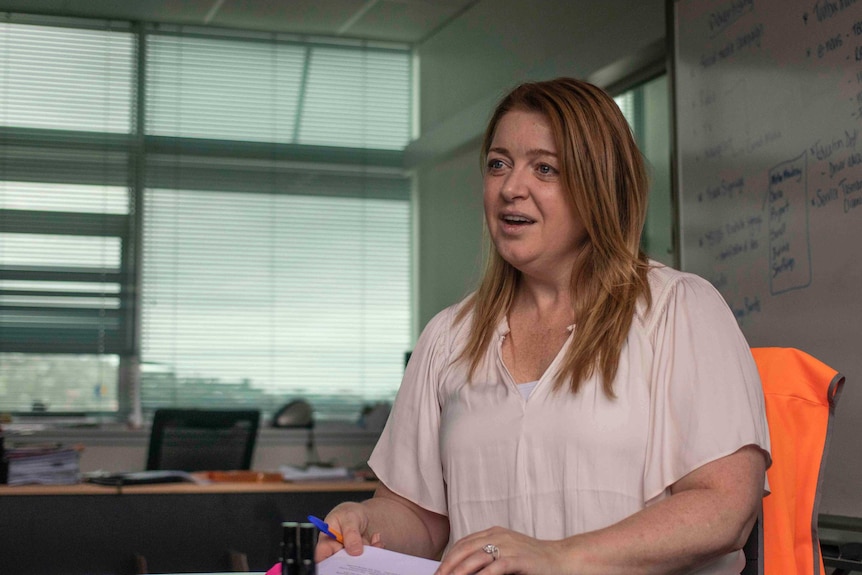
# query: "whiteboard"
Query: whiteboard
768,177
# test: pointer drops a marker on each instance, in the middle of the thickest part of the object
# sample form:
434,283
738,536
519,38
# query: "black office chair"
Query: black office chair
202,440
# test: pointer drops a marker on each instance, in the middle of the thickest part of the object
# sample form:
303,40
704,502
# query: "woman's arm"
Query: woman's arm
387,520
710,513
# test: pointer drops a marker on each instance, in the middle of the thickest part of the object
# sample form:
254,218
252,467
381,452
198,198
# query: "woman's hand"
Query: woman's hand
386,520
515,554
351,521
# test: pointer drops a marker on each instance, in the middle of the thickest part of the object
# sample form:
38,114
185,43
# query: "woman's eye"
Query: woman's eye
546,170
495,164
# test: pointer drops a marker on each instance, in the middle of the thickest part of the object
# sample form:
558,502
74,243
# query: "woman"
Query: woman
586,410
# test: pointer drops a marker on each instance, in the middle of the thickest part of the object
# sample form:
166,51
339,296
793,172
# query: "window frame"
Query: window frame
142,150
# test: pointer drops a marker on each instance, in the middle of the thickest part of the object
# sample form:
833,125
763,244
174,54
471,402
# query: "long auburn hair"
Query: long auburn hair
603,174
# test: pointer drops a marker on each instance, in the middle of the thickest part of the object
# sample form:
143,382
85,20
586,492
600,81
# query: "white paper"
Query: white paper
313,473
376,561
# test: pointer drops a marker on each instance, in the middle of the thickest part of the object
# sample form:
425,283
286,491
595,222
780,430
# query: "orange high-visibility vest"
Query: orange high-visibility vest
800,393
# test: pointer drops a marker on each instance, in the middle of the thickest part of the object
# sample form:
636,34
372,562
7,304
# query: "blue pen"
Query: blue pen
324,528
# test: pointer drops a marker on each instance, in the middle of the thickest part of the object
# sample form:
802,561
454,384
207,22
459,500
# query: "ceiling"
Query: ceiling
407,21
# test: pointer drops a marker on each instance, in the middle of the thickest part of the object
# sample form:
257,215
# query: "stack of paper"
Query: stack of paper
46,465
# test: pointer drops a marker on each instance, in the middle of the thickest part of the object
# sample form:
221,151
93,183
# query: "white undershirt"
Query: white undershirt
527,388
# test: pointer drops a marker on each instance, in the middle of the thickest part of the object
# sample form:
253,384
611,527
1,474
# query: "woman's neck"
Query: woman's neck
544,303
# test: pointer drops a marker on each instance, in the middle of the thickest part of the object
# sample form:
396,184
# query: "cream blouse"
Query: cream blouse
558,464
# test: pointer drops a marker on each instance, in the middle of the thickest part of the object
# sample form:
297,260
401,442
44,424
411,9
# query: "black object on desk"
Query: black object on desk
297,548
307,539
140,478
289,548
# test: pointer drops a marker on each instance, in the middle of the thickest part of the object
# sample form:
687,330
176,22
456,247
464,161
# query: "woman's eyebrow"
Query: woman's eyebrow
541,152
532,152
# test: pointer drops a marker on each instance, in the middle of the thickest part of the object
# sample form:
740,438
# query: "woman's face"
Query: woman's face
531,222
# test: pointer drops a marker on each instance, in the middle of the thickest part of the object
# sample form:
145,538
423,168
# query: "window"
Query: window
242,238
256,298
65,102
647,110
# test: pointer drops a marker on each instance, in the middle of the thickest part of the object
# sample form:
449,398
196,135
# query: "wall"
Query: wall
450,232
464,70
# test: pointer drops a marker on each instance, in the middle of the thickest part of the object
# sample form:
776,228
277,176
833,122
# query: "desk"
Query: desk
179,527
185,488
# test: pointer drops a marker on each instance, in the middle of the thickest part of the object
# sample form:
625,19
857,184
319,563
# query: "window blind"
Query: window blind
65,101
275,265
280,92
259,298
60,78
274,218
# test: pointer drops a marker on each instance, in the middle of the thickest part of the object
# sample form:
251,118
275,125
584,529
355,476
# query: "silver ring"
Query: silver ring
492,550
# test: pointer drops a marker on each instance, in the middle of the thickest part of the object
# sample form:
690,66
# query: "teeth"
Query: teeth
517,219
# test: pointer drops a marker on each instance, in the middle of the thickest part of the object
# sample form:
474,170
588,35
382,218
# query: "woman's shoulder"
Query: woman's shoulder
671,286
663,278
449,324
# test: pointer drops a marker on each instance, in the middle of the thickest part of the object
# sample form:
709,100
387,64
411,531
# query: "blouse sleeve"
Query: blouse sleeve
407,455
707,400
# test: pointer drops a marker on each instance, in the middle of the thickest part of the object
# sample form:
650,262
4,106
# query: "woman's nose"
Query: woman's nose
514,187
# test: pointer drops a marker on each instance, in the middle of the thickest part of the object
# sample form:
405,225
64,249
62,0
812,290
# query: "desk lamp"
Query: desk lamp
298,414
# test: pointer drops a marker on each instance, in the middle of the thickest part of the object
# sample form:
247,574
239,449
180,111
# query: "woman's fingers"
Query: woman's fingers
497,551
468,555
325,548
350,520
